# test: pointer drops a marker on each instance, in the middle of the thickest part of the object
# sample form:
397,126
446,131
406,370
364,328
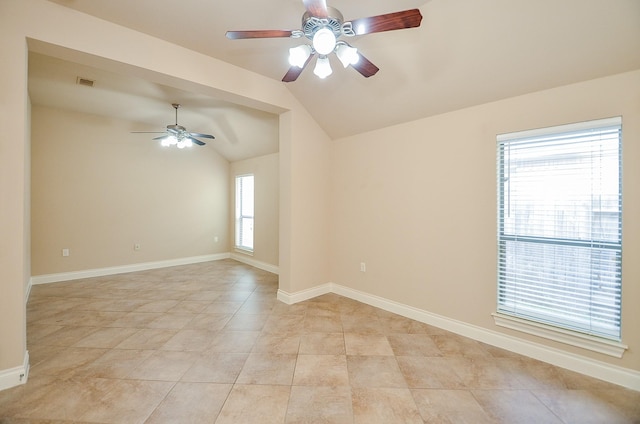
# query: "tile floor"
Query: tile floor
209,343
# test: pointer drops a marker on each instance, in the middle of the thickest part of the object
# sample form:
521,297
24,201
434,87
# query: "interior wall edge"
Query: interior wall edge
15,376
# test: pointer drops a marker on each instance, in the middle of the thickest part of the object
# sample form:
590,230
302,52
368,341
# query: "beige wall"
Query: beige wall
60,32
417,203
266,171
98,190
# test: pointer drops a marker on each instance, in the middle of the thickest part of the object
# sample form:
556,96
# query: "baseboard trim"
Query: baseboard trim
254,263
16,376
101,272
27,290
583,365
303,295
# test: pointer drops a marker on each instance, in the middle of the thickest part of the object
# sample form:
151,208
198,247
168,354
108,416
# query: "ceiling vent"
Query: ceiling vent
84,81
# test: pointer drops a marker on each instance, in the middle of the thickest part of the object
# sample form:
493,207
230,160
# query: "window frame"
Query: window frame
529,323
240,215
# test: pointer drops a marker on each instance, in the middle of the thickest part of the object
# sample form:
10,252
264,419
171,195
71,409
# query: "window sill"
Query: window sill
584,341
244,251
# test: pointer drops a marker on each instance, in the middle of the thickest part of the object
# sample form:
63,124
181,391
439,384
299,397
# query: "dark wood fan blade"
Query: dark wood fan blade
160,138
365,66
294,72
317,8
260,33
201,135
388,22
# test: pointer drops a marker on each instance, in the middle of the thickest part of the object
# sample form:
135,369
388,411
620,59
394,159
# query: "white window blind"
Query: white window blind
559,226
244,212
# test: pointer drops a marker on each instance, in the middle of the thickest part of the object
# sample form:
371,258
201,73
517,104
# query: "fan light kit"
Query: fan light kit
177,135
323,26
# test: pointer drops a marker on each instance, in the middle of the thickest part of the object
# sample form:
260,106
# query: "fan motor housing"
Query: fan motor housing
333,21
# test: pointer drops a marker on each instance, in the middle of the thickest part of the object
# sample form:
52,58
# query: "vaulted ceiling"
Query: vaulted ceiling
466,52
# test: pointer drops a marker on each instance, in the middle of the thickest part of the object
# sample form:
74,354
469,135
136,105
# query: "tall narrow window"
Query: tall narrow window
559,228
244,212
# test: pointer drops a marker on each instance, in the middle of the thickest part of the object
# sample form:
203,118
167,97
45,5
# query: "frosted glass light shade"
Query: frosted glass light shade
298,55
324,41
348,55
323,68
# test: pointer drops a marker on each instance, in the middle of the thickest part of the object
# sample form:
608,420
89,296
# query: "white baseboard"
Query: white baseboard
15,376
614,374
100,272
254,263
301,296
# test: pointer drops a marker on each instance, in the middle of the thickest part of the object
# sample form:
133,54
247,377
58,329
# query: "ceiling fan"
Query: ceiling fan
323,26
177,135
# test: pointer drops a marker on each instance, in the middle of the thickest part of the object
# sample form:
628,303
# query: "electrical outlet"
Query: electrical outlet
363,267
65,252
215,239
136,246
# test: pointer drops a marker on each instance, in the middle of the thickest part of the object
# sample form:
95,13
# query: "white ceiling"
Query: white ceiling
466,52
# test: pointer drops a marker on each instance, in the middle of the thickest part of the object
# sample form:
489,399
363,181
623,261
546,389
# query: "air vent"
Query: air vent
84,81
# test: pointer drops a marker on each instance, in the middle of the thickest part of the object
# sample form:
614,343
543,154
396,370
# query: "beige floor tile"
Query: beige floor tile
322,344
209,342
66,362
209,322
367,344
147,338
135,319
581,406
82,318
279,323
534,374
220,307
454,345
191,403
189,307
171,321
449,407
326,405
322,324
321,370
384,406
375,371
266,368
362,323
246,322
233,341
626,401
106,337
277,343
250,404
189,340
156,305
429,373
413,345
67,336
115,363
216,368
123,401
484,373
164,366
514,406
35,332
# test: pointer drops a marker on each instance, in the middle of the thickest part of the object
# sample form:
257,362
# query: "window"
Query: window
244,212
559,226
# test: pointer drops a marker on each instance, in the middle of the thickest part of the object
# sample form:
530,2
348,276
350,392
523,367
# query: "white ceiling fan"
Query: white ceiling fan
177,135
